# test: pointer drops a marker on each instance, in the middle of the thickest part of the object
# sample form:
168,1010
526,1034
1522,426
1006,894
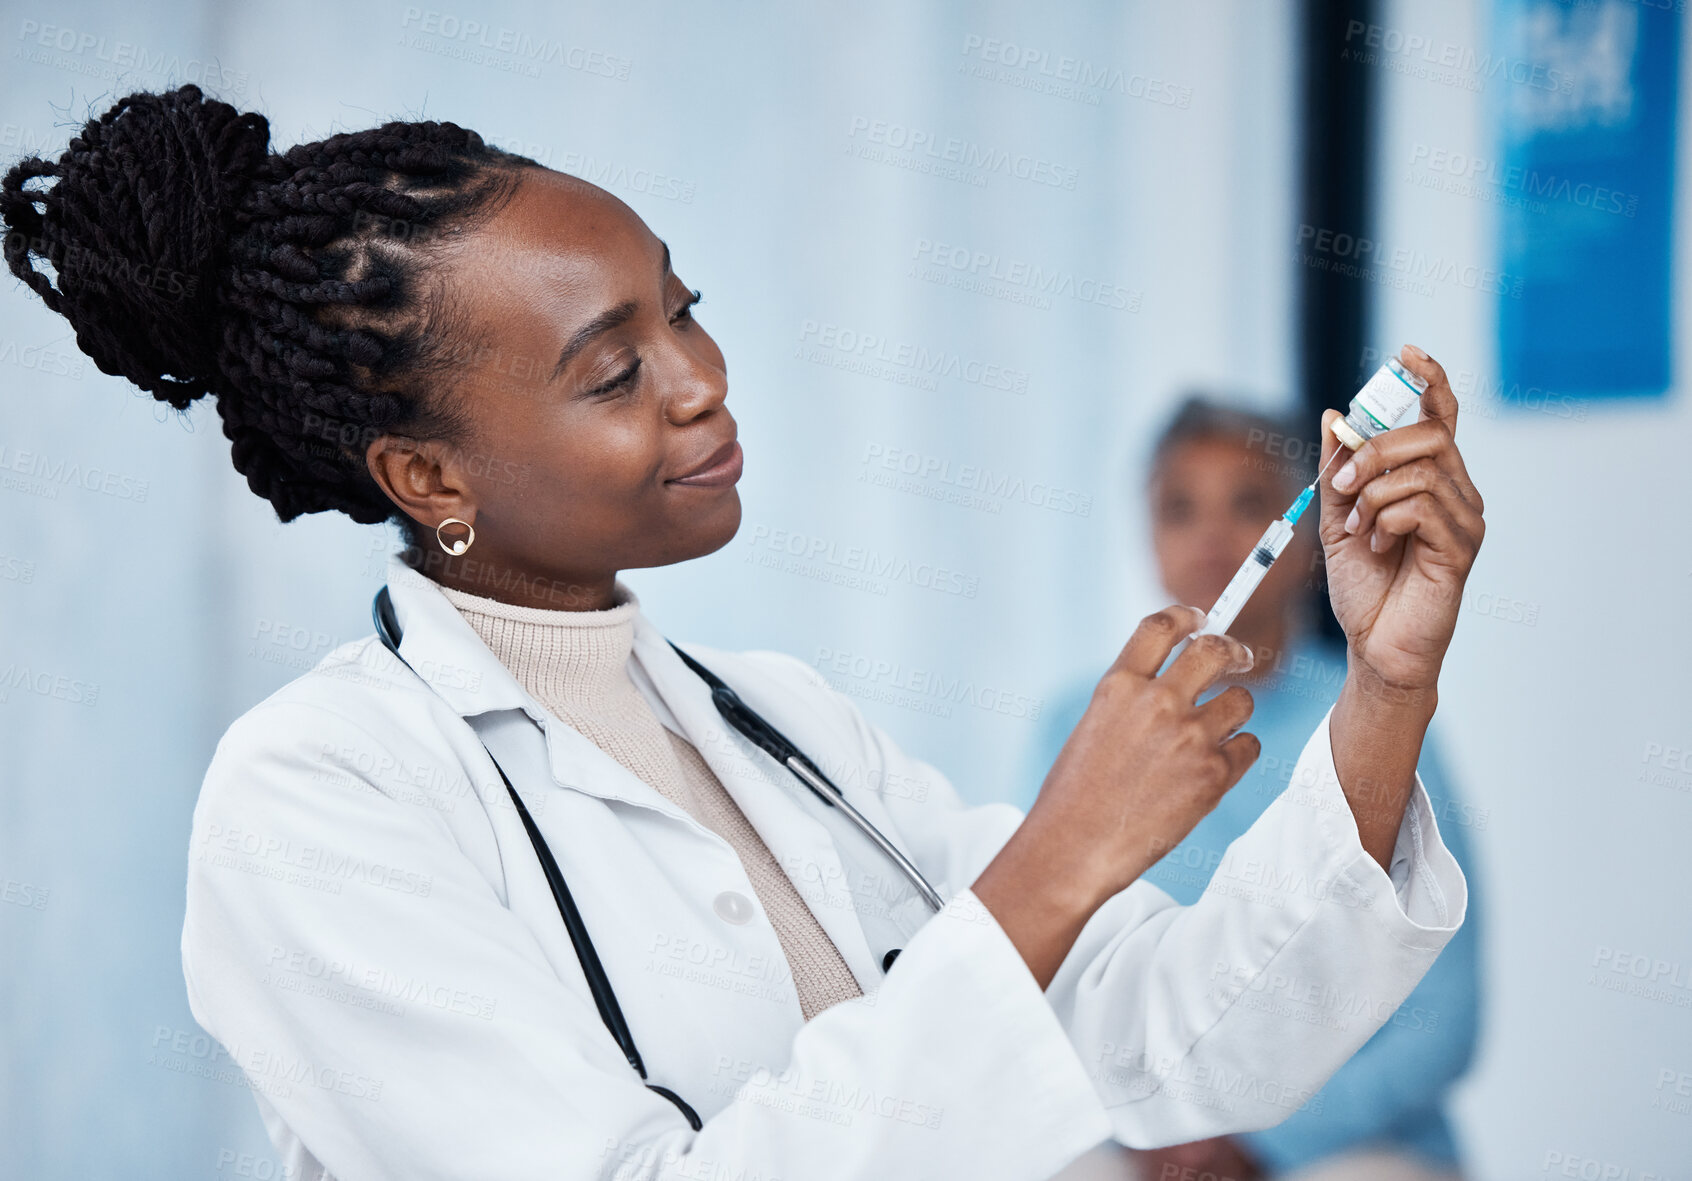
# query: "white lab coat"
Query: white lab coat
370,936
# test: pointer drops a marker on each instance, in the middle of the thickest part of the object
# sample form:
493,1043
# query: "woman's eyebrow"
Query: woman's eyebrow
604,322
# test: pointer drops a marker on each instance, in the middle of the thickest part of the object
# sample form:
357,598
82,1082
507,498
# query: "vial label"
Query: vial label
1389,392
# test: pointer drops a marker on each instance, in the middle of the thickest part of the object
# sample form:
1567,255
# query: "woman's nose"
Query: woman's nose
699,388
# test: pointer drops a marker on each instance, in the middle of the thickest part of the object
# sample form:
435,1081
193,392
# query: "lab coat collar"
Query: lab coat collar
437,641
444,649
448,653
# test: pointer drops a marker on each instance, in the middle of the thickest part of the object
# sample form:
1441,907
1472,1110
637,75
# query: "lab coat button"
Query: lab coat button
734,907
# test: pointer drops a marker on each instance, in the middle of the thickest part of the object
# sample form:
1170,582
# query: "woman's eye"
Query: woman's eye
685,312
618,382
1175,512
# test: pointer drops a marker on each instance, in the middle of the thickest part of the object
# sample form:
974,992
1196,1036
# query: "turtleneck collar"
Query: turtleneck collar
580,656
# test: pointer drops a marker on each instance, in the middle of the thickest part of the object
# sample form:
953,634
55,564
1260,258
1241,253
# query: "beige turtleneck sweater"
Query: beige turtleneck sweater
576,664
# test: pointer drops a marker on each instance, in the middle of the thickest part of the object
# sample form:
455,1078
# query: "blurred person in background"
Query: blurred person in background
1218,476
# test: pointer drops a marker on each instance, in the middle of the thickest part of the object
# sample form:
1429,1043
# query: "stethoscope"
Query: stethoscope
749,723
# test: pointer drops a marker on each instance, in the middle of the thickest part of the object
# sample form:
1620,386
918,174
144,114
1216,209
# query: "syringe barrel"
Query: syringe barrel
1239,589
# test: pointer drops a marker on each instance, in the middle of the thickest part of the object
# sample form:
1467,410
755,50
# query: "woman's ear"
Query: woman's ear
421,477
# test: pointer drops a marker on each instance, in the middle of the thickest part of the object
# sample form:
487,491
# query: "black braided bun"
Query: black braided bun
294,287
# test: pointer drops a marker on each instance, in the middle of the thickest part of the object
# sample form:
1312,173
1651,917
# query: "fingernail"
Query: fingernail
1351,521
1374,539
1251,660
1347,474
1416,352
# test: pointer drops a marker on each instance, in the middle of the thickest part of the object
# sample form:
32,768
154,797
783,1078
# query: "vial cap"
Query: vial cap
1343,432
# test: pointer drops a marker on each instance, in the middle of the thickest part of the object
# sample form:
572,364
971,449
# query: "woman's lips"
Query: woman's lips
725,468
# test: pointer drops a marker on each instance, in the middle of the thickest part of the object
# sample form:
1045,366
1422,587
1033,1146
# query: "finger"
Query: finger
1227,711
1423,516
1419,475
1439,400
1241,751
1396,448
1156,637
1204,660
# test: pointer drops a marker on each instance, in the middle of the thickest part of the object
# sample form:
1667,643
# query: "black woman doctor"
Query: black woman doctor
390,322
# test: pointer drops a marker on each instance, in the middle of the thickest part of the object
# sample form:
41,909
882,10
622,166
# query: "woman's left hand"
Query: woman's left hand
1401,525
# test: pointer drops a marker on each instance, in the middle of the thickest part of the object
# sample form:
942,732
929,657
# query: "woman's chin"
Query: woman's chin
716,529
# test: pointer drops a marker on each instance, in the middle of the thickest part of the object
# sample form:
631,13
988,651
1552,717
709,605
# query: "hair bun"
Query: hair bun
136,229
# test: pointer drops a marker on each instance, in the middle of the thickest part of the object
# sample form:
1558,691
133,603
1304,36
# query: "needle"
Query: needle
1338,451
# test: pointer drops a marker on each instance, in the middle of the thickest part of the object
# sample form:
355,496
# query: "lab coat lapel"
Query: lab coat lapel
446,651
802,846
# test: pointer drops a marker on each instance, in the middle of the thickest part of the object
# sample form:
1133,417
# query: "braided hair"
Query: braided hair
191,259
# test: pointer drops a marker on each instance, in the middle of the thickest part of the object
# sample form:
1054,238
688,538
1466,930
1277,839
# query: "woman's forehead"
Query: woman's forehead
558,237
1216,461
562,225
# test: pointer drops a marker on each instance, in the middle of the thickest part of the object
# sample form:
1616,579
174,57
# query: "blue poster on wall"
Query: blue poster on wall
1587,127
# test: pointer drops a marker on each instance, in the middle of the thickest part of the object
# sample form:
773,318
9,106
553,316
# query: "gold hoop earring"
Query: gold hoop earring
462,544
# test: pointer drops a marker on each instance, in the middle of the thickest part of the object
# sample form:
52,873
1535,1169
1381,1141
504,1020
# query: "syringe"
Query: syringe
1252,570
1382,401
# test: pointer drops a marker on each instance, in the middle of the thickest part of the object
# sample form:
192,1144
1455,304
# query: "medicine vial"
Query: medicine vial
1384,398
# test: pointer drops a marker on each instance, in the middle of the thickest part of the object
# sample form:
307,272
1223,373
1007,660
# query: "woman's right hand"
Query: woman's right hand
1143,766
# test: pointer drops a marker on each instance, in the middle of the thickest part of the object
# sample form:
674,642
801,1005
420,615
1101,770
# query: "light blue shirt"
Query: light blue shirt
1392,1091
